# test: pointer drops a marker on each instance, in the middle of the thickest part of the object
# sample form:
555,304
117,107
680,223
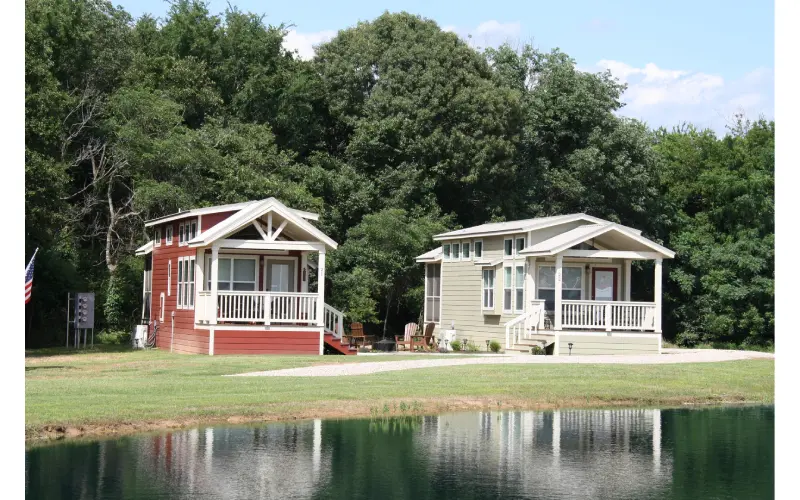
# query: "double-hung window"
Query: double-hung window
508,248
186,282
158,237
168,235
169,277
456,251
465,250
433,292
519,288
488,289
507,288
181,236
519,245
446,251
571,284
478,249
191,230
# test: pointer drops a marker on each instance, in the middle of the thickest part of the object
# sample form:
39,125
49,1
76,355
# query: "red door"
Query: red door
604,283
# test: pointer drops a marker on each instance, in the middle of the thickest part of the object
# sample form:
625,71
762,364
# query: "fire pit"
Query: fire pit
385,345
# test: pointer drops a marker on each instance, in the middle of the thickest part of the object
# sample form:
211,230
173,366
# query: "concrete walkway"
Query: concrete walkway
669,356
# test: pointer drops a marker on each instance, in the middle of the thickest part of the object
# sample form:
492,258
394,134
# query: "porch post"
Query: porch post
321,289
530,288
657,295
214,284
559,268
627,280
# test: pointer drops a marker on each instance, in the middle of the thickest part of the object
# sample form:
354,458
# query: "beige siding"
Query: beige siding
540,235
607,344
462,296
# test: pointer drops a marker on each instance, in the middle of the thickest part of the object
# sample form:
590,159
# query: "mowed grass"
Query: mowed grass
109,390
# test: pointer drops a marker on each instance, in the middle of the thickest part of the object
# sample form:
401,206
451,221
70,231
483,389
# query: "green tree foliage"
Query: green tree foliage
394,132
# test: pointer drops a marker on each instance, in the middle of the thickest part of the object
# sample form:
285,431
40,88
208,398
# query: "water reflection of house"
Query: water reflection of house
585,453
238,462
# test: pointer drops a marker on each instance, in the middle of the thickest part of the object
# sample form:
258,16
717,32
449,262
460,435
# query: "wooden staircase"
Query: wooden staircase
334,331
525,345
339,345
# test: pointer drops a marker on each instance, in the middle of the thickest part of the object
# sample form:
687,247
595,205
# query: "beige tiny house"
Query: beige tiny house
561,282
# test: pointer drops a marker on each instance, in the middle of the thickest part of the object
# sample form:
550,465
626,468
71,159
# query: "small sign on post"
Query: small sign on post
84,310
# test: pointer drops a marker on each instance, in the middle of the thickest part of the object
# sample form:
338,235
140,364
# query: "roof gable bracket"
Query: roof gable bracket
278,231
260,230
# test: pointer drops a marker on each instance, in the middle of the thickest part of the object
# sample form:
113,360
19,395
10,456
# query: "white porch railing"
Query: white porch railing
333,321
608,315
521,327
258,307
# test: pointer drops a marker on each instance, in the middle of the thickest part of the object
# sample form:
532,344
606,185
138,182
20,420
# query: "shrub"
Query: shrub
456,345
494,346
537,350
472,346
114,337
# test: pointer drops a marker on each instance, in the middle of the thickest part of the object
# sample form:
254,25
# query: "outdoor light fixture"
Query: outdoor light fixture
570,348
487,345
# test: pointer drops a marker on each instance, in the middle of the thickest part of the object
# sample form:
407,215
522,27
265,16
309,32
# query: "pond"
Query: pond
643,453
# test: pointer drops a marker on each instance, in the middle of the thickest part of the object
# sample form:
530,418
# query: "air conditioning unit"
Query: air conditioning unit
139,336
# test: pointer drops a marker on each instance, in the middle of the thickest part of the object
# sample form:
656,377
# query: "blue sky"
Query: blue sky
699,61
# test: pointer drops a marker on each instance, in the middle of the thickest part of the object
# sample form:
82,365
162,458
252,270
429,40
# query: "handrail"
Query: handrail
608,315
333,321
514,326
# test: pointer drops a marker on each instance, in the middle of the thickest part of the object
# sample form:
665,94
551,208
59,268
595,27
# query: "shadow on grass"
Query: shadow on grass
49,367
63,351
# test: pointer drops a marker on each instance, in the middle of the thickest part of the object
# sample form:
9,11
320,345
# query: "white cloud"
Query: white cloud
304,43
490,33
668,97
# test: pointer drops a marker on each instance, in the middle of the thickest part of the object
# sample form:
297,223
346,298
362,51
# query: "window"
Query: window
571,284
478,249
168,235
456,249
162,308
520,245
507,295
186,282
158,237
169,277
446,251
234,273
465,250
488,288
519,288
508,247
181,238
433,292
193,231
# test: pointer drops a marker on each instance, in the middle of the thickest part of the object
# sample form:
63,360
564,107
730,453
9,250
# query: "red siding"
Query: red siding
211,220
186,339
265,342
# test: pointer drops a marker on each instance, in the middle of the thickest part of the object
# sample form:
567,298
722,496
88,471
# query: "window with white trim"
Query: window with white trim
162,308
519,288
478,247
168,235
181,237
433,292
488,289
508,247
571,284
158,237
456,251
169,277
234,273
186,282
465,250
507,289
519,245
191,230
446,251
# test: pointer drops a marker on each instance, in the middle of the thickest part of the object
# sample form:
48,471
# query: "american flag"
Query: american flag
29,278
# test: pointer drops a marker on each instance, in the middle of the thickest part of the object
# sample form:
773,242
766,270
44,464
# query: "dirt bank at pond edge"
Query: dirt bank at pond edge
348,409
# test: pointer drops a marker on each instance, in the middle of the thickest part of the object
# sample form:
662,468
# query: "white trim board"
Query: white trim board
259,328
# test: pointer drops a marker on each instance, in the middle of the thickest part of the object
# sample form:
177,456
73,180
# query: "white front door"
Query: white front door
279,277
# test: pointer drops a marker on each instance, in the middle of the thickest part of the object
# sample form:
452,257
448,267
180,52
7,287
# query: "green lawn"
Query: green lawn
125,391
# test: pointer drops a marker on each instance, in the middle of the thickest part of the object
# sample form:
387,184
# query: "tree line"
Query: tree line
395,131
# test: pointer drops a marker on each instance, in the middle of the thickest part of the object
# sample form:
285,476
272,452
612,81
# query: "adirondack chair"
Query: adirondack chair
405,339
356,334
427,340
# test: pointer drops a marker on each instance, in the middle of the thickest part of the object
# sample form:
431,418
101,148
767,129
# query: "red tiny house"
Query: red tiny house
235,281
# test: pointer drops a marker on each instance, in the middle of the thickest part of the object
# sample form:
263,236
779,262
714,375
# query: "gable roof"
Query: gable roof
581,234
223,208
520,226
252,211
145,249
434,255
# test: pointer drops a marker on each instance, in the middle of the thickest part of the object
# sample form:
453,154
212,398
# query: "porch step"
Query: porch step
340,346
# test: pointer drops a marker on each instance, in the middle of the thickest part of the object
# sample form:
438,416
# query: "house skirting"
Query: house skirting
241,339
586,343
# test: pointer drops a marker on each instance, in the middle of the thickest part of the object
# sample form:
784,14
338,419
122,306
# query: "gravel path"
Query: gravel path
669,356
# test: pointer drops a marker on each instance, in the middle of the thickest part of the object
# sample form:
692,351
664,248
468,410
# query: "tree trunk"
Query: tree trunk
386,318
